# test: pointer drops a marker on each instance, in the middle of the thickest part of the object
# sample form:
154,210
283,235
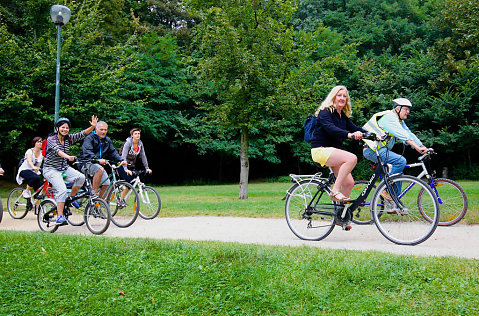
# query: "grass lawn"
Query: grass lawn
90,275
71,275
264,200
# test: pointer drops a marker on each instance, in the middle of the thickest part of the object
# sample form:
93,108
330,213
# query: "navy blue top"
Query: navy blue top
332,129
95,148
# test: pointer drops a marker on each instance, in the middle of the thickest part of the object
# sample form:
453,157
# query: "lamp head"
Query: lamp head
60,14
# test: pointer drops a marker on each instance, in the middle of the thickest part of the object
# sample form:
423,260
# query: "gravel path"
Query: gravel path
456,241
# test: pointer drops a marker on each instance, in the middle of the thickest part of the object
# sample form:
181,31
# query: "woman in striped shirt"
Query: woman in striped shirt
56,169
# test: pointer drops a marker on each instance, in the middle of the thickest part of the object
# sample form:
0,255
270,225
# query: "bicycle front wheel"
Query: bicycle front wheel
150,203
1,210
452,200
404,223
46,216
307,219
97,216
17,205
361,215
76,214
124,204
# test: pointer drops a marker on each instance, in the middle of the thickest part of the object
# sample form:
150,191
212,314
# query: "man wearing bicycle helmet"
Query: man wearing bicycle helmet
392,123
95,149
55,167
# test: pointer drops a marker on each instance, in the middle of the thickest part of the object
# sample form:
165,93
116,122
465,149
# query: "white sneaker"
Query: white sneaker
26,194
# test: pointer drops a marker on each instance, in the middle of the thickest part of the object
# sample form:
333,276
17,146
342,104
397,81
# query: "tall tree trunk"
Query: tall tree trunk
244,173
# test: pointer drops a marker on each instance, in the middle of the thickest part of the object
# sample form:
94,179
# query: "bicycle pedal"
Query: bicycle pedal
347,227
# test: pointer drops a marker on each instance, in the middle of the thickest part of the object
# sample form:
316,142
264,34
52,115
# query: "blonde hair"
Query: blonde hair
328,103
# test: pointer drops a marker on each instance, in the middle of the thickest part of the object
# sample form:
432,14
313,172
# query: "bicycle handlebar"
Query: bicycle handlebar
372,136
108,162
427,154
140,173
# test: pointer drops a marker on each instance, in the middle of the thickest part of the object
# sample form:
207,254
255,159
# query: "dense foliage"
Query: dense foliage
195,75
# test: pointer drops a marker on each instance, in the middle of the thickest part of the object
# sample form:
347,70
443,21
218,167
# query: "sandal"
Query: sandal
342,198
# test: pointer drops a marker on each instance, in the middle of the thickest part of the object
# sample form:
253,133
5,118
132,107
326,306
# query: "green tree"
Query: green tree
256,71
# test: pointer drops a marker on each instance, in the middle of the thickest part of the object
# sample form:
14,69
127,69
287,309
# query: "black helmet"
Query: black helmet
61,121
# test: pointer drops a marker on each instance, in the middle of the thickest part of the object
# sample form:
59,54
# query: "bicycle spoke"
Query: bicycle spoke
304,221
410,222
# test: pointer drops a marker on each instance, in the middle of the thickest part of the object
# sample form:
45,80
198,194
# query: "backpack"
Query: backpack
44,147
309,127
21,162
44,144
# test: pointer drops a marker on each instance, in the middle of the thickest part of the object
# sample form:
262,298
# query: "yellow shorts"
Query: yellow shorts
321,154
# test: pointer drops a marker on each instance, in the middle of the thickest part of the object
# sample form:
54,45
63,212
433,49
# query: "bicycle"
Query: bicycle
311,215
96,212
450,195
1,207
124,210
18,206
149,197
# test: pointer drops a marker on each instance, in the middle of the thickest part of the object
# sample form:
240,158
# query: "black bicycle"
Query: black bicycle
96,212
404,208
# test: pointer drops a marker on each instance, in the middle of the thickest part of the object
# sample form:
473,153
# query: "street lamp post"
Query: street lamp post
60,16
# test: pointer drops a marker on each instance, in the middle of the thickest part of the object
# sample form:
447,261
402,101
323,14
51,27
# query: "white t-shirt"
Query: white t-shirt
37,162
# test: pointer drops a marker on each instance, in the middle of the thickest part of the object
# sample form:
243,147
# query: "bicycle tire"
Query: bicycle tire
123,215
150,203
406,225
361,215
1,210
304,224
452,201
97,216
46,216
76,215
17,204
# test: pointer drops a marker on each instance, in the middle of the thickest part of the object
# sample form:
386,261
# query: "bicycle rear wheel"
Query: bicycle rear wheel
150,203
452,200
124,211
361,215
97,216
404,223
313,222
17,205
46,216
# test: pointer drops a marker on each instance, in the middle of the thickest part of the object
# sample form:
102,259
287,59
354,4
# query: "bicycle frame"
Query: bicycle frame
44,189
347,213
111,177
138,186
425,173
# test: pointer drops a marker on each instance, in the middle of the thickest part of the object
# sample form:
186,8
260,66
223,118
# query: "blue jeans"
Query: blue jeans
398,162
